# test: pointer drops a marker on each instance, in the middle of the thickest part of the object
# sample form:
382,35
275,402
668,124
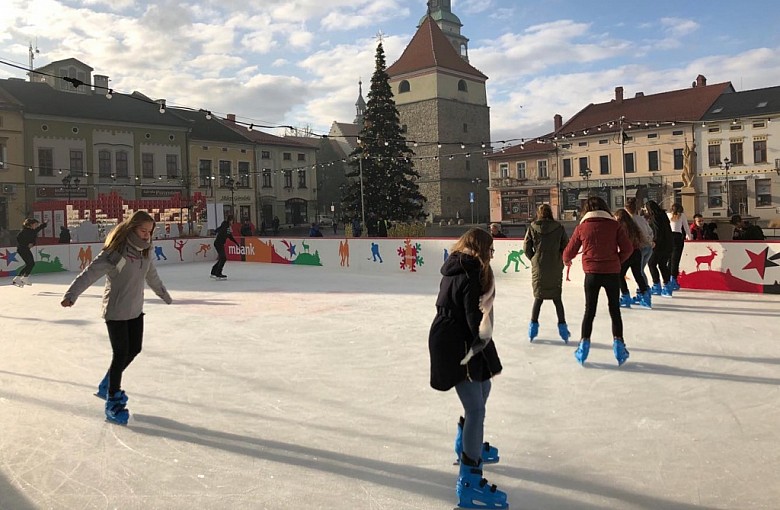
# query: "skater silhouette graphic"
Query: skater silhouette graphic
158,252
179,245
375,253
516,257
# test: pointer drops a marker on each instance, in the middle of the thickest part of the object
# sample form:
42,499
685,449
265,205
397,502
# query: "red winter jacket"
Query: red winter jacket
605,244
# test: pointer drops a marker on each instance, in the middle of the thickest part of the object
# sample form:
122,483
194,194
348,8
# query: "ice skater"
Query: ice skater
463,355
544,243
25,240
605,246
126,263
223,234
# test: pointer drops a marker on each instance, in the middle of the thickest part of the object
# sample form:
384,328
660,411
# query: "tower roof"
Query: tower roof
429,49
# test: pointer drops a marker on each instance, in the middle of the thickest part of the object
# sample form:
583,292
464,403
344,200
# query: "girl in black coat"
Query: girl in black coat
662,249
464,356
25,240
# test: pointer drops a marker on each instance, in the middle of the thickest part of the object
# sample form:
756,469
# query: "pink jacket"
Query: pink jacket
605,244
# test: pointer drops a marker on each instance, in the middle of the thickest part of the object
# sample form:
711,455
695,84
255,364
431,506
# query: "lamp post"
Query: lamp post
69,182
725,165
585,172
476,183
231,183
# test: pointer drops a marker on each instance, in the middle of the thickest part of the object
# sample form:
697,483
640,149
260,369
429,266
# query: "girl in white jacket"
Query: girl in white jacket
681,232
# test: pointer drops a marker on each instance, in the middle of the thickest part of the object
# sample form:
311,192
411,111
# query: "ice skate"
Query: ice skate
116,412
474,491
625,300
489,453
582,351
17,281
619,348
674,283
25,280
645,299
221,277
563,330
667,290
533,330
102,391
655,290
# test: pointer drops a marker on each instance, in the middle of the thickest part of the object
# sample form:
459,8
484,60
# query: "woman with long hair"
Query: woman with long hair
125,262
545,241
464,357
662,249
25,240
634,262
605,246
681,232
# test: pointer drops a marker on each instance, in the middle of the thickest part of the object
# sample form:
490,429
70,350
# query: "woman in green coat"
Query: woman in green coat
544,244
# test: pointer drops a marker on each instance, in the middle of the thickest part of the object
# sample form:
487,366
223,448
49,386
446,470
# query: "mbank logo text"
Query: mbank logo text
241,250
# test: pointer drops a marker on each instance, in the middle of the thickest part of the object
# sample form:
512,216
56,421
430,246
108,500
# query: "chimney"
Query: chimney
231,117
640,94
557,121
701,81
101,83
618,94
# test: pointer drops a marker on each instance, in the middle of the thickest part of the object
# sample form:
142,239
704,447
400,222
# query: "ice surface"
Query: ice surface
296,387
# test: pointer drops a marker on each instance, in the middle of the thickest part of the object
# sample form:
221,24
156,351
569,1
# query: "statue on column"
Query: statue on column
689,165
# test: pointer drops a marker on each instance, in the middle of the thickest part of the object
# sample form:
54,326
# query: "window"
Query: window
584,166
204,173
760,124
3,151
121,163
604,165
737,158
465,128
652,135
605,141
147,165
678,159
736,127
541,169
288,178
759,151
404,87
582,144
714,130
503,170
266,177
652,161
677,132
763,192
76,163
521,170
243,174
104,164
301,157
462,86
714,194
287,156
713,155
225,172
567,167
265,154
172,166
629,163
45,162
301,178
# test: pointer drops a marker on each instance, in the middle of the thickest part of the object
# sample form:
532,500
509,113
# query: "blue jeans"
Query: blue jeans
646,252
473,395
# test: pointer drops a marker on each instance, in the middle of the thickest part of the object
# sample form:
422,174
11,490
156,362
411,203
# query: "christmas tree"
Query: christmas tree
390,190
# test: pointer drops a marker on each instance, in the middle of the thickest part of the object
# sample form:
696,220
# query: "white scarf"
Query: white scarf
485,326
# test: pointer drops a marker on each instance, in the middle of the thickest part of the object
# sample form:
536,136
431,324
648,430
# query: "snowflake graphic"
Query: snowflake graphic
410,256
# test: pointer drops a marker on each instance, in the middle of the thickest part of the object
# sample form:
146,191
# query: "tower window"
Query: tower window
404,87
462,86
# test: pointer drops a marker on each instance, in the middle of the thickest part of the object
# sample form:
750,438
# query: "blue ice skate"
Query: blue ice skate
563,330
655,290
667,290
116,412
619,348
637,296
674,283
533,330
474,491
625,300
645,299
582,351
489,453
102,391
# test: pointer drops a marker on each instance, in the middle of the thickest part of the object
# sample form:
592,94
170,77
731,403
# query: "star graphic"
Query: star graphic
9,257
759,261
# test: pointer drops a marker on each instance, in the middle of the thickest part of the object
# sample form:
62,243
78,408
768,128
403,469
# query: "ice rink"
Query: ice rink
304,388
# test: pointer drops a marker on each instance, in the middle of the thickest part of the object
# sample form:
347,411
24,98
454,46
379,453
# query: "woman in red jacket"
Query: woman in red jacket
605,246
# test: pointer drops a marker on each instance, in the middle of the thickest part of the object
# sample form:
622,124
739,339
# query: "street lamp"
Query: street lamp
585,172
231,183
69,182
476,182
725,165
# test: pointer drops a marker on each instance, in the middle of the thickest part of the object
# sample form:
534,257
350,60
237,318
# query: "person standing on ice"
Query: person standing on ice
223,234
605,246
463,355
544,243
126,264
25,240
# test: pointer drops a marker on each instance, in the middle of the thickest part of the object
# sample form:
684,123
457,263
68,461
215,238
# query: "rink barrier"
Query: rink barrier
734,266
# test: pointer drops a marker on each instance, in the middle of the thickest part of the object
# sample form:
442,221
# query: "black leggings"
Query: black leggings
558,309
635,263
126,340
216,269
678,242
659,261
29,260
593,284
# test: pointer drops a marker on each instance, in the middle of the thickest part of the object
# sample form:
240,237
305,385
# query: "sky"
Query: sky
302,387
298,62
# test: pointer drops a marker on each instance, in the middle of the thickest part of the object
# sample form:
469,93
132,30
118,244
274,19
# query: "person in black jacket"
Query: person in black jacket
64,235
463,355
662,250
25,240
223,234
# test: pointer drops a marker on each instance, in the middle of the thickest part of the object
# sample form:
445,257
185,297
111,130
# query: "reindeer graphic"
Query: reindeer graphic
706,259
305,247
44,256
